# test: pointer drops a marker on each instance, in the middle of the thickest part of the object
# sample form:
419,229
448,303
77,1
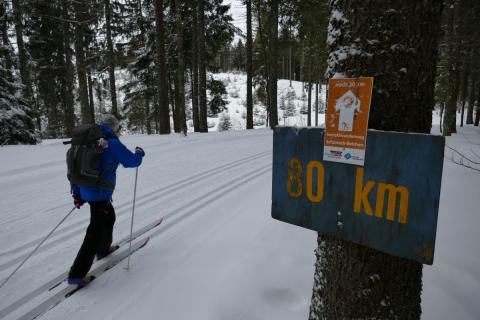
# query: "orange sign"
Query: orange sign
346,120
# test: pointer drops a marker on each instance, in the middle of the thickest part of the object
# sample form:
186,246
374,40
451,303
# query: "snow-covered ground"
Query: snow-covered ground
451,286
235,84
218,254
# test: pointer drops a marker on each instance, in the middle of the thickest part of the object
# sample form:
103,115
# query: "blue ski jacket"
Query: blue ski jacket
115,153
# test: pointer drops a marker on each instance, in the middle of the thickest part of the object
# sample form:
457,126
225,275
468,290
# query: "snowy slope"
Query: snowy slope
235,84
218,254
451,287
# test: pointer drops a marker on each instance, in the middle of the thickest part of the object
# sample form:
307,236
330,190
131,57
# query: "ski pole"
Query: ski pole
36,248
131,224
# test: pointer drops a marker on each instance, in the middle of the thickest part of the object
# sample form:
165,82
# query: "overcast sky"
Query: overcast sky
238,11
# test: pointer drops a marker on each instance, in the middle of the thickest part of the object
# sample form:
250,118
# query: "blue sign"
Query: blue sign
390,204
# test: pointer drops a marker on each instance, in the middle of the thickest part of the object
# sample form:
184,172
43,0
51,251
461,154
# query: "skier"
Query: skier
98,238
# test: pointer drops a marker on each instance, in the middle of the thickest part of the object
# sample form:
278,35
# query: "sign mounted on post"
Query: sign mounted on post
391,204
346,120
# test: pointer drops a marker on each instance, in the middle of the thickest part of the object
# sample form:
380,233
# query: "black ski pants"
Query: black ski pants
97,239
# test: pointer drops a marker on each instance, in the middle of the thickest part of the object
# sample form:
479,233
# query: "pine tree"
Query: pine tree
283,104
110,56
81,32
272,25
290,110
163,112
67,79
194,69
249,48
454,52
304,106
140,93
16,125
22,52
225,123
352,281
46,47
217,90
202,67
180,79
238,59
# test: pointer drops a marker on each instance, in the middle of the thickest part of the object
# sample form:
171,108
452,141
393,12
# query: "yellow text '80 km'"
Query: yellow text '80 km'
315,172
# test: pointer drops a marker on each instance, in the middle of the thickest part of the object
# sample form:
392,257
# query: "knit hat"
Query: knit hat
110,121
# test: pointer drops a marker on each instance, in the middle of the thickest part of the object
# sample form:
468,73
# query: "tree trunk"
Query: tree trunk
148,124
86,116
163,109
194,81
156,112
465,76
316,103
302,62
442,109
195,111
450,120
477,112
352,281
180,85
171,92
309,106
111,58
69,101
22,53
98,90
471,99
90,93
7,56
264,45
23,62
273,56
249,66
202,66
290,64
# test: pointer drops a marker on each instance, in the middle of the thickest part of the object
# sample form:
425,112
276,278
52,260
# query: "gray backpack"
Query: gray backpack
84,157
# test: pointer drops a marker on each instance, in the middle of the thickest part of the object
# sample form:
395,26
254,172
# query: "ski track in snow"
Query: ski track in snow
241,171
122,208
218,254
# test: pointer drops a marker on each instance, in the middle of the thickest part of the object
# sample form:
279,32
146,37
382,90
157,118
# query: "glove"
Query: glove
139,151
77,201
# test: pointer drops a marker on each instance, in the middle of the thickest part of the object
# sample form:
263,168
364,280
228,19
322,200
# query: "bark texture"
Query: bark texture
249,66
399,49
86,114
450,118
272,61
471,99
22,52
111,57
195,111
202,68
163,109
68,79
180,79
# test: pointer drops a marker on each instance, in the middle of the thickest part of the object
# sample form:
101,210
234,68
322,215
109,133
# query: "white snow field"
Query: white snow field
218,254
